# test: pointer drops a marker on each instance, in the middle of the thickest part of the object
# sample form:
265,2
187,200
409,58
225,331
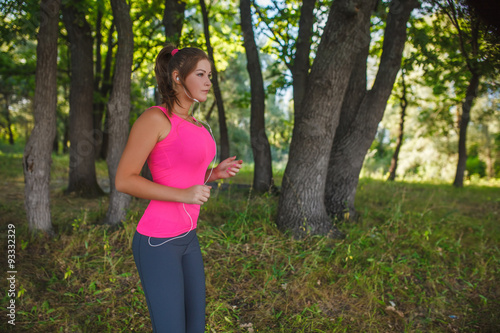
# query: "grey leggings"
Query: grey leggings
173,280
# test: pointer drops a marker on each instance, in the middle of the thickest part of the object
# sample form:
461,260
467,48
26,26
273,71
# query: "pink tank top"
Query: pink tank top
180,160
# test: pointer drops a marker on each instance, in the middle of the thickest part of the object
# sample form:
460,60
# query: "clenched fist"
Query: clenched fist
197,194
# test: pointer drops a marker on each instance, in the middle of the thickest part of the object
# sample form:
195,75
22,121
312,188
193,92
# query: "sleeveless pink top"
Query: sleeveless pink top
180,160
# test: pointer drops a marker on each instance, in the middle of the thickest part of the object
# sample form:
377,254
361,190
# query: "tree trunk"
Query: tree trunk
37,153
361,115
356,90
101,127
300,67
224,137
263,172
399,142
82,175
173,18
464,122
98,107
490,171
7,118
65,142
301,206
55,144
119,108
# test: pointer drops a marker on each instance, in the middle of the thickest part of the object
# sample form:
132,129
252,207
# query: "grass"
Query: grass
423,258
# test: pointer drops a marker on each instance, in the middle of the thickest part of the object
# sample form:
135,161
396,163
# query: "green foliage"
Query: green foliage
437,85
475,166
278,24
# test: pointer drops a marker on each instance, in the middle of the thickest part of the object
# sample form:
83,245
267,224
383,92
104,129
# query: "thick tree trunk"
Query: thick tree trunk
37,153
360,117
464,122
301,207
82,175
356,91
399,142
263,172
300,67
224,137
119,108
173,18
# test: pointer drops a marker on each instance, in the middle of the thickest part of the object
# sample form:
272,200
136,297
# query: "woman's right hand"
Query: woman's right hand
197,194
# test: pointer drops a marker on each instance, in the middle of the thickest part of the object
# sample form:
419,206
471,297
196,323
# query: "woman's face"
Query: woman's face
198,82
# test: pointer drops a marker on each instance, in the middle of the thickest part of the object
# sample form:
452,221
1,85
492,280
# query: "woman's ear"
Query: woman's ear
175,77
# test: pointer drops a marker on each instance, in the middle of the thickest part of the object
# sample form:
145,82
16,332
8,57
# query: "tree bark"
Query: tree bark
301,206
100,126
300,67
98,107
7,118
490,171
224,137
464,122
399,142
263,172
173,18
82,175
119,106
37,153
361,114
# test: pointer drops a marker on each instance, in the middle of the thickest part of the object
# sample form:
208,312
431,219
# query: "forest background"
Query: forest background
295,85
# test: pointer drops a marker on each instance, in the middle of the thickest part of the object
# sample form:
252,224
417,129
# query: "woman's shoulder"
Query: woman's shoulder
153,118
154,114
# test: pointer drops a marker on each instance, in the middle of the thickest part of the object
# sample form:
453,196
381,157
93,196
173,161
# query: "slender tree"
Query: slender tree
403,103
119,108
98,107
294,51
224,137
301,64
301,206
7,116
362,110
82,175
102,80
101,127
37,152
468,30
263,172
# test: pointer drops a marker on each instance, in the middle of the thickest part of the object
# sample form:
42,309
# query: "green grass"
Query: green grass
422,258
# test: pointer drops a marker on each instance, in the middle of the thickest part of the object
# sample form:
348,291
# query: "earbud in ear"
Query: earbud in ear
177,78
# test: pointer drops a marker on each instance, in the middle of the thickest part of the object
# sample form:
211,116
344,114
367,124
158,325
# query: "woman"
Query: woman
178,150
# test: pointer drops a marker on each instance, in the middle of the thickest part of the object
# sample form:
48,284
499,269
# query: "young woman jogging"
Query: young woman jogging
179,150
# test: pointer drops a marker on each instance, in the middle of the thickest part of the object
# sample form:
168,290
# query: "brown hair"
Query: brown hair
184,61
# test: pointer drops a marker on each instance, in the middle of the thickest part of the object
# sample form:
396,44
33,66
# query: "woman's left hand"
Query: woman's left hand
228,168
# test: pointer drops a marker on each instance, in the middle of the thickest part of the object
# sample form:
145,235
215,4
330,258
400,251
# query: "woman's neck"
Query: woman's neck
184,107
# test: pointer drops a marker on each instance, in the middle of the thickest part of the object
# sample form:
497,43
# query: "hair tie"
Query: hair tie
174,51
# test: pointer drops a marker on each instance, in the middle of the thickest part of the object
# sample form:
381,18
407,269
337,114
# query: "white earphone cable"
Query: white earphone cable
183,205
